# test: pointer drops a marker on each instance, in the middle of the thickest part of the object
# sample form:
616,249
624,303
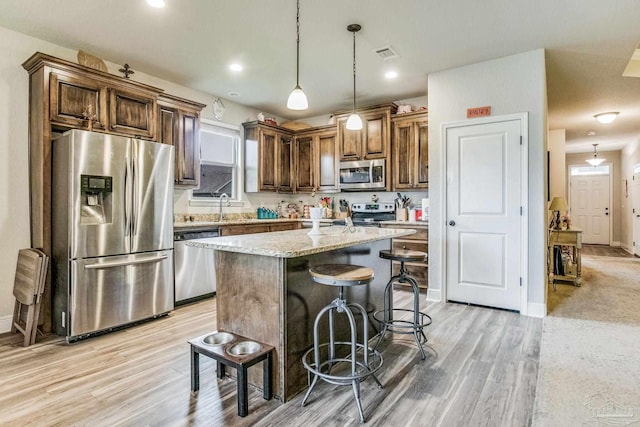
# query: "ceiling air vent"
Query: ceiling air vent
386,53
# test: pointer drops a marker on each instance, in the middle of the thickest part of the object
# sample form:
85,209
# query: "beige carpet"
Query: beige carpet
589,372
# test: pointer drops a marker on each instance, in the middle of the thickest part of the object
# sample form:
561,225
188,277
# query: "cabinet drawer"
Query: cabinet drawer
411,245
284,227
417,271
232,230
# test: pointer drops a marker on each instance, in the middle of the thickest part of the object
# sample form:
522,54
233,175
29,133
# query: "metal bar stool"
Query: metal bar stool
386,317
363,360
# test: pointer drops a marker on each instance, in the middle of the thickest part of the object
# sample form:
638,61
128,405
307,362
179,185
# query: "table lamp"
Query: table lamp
558,204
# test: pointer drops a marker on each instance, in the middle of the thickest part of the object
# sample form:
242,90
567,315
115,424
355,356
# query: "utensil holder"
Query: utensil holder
402,214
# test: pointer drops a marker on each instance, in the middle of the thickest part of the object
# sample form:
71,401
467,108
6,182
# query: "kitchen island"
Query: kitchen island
264,290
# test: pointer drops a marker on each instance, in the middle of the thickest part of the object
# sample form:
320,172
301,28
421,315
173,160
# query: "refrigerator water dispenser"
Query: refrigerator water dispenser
96,202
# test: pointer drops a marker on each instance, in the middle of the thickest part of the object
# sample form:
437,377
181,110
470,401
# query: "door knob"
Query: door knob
452,223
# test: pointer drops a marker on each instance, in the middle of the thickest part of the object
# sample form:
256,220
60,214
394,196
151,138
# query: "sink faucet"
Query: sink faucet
220,213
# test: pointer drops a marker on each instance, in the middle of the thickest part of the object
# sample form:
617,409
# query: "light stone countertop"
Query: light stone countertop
185,225
296,243
411,223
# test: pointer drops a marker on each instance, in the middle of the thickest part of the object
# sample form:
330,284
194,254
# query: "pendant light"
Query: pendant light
354,122
595,161
297,99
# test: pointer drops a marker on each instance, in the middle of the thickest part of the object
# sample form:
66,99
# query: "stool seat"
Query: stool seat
403,255
341,274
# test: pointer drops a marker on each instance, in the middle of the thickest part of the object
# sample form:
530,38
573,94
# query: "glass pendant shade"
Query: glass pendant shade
606,117
595,161
354,122
297,99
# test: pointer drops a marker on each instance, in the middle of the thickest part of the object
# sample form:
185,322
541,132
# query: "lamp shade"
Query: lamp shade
606,117
354,122
559,204
297,100
596,161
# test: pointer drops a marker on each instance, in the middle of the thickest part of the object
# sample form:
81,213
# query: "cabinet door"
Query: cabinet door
304,163
72,98
376,135
421,178
267,159
168,132
327,162
350,141
285,163
132,114
402,150
187,151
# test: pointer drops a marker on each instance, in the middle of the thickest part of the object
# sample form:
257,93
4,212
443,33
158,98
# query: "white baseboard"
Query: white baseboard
535,309
628,249
5,324
434,295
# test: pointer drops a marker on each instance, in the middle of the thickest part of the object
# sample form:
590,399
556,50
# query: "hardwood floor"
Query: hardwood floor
481,369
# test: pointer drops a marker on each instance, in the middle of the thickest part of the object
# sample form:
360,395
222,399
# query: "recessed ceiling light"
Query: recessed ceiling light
391,74
591,133
606,117
233,94
235,67
156,3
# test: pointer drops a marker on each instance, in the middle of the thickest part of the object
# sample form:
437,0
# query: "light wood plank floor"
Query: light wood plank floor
481,369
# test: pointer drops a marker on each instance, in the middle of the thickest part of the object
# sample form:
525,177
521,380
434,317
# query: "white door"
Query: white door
589,203
635,195
484,227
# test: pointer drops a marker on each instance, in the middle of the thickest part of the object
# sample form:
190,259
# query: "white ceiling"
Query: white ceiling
191,42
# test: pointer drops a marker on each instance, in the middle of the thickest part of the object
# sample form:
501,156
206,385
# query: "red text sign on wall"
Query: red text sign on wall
478,112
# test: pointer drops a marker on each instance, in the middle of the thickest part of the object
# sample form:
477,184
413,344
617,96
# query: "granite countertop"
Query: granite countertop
295,243
411,223
238,221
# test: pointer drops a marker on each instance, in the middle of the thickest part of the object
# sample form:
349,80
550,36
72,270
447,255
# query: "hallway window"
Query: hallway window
590,170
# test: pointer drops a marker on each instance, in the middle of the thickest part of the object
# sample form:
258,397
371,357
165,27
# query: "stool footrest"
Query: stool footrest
375,362
402,326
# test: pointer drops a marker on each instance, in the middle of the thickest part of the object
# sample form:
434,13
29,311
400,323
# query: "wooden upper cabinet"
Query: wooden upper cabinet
132,113
269,158
304,161
373,141
327,161
411,151
178,125
268,151
73,99
285,165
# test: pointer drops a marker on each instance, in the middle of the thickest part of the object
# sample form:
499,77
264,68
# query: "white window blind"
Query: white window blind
218,145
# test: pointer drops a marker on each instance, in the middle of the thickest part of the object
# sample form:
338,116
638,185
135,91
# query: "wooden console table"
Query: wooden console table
573,238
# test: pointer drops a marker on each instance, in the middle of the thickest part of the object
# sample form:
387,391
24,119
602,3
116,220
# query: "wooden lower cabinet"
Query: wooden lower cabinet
414,242
233,230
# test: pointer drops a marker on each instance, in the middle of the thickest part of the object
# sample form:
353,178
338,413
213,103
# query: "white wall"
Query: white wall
15,48
512,84
630,157
557,168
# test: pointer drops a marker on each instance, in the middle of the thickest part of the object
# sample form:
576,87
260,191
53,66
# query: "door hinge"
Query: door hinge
633,210
520,139
521,281
520,210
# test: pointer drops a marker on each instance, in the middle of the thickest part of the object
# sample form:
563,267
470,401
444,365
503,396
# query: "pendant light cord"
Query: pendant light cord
354,71
298,44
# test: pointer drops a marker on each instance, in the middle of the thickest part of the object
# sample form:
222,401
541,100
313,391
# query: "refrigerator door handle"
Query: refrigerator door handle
128,180
124,263
134,204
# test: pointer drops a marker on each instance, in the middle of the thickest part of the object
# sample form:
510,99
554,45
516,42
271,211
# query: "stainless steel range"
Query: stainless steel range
371,214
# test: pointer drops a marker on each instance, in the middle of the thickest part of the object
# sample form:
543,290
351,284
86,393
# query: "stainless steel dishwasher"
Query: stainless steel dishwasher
195,274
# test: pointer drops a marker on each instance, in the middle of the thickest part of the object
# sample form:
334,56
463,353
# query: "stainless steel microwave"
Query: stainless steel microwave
362,175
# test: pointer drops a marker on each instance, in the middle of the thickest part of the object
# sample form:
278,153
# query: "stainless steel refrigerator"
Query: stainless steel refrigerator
112,232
